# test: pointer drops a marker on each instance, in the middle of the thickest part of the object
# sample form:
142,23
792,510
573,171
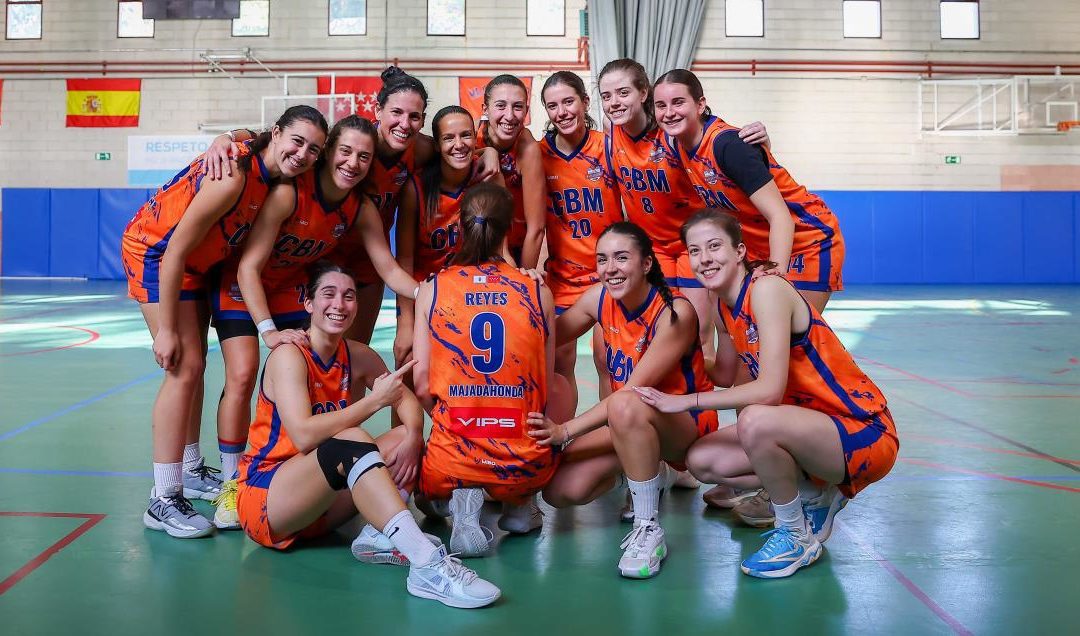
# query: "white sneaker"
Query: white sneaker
521,519
432,508
644,550
225,515
447,581
176,517
467,537
202,482
684,479
372,546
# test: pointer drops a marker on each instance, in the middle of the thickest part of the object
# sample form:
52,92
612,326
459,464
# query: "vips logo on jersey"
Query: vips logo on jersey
486,422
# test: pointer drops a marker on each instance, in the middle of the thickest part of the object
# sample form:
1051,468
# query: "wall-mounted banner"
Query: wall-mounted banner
471,95
154,159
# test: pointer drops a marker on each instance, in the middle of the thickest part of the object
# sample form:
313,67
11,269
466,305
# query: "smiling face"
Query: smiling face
622,102
621,265
677,112
456,137
566,109
333,305
400,120
506,108
350,158
296,147
716,261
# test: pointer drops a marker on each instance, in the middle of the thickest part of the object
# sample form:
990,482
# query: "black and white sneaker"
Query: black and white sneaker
176,516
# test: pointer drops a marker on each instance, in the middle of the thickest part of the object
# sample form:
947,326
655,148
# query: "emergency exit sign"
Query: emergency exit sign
103,156
952,160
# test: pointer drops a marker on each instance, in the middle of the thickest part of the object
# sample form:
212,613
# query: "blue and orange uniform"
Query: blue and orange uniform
656,194
382,185
311,232
487,371
627,336
823,377
817,249
329,383
147,235
437,231
508,167
583,199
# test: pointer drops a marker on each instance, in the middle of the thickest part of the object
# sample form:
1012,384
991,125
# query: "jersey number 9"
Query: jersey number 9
488,335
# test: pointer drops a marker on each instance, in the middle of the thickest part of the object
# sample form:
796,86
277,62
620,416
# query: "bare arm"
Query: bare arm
576,320
422,347
771,204
408,211
373,235
534,197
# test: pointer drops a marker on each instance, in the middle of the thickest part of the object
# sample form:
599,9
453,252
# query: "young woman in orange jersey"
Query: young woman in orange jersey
781,220
484,361
261,293
311,465
583,199
809,409
506,105
188,226
650,338
429,231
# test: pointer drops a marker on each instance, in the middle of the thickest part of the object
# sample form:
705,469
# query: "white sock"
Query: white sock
192,456
229,463
167,479
790,516
646,497
408,538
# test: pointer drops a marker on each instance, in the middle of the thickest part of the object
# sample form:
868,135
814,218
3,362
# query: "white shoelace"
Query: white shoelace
636,538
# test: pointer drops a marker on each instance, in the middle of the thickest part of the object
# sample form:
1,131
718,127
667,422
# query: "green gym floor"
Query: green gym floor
975,530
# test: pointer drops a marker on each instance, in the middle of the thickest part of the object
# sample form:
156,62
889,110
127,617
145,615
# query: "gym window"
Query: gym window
959,19
348,17
130,22
254,20
744,18
23,20
545,17
862,18
446,17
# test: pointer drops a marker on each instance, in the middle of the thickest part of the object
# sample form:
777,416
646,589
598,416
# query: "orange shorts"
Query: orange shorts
567,293
285,300
142,265
870,448
251,507
351,255
707,421
676,268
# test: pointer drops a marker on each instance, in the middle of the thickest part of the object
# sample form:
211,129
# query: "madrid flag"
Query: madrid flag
363,89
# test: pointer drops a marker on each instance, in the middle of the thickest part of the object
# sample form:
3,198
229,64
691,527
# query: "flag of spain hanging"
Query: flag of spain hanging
103,103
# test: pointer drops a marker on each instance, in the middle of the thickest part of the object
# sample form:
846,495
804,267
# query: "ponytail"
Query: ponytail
486,210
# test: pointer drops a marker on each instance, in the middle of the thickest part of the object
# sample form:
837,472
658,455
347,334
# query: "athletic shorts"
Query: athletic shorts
251,507
351,255
438,477
870,448
677,270
818,268
566,293
142,278
229,314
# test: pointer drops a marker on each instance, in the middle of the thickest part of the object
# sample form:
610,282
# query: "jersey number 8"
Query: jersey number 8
488,334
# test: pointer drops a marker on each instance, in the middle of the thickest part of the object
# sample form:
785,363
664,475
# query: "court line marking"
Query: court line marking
989,449
80,473
93,336
915,590
91,520
968,471
44,312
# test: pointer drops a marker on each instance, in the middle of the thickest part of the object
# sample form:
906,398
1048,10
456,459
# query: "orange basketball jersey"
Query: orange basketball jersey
311,232
487,371
383,185
437,233
269,443
508,166
627,336
583,199
147,234
817,231
656,192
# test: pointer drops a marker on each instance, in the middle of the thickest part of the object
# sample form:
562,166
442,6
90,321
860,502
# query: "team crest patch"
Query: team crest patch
710,176
657,154
345,382
401,177
751,334
639,346
338,230
594,173
234,293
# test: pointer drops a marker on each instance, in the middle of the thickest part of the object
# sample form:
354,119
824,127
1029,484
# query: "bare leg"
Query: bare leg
817,299
588,470
241,356
565,361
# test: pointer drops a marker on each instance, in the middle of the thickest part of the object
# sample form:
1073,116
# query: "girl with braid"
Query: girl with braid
650,337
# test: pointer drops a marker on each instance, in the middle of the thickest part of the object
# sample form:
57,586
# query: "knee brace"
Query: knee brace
343,461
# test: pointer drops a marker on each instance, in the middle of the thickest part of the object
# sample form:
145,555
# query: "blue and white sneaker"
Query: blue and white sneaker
821,511
782,555
449,582
202,482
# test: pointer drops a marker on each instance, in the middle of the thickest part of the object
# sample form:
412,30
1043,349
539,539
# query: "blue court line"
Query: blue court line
77,473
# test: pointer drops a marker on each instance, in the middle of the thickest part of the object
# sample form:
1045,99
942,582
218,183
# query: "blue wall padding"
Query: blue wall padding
73,248
891,236
25,232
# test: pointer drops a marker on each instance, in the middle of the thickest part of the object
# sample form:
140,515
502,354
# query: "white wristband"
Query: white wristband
266,325
416,292
231,135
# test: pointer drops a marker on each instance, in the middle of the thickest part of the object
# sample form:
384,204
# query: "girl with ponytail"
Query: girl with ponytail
650,338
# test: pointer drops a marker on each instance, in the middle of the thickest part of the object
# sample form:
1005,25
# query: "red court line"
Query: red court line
915,590
74,307
91,521
989,449
93,336
914,376
966,471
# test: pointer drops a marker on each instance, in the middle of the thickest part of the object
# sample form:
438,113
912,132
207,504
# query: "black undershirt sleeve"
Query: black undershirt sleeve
743,163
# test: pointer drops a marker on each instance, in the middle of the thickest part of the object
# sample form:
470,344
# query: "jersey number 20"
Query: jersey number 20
488,334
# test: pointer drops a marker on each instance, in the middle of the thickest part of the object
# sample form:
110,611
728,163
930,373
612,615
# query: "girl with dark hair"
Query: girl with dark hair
650,338
188,226
583,199
506,105
782,221
483,362
311,466
808,409
261,293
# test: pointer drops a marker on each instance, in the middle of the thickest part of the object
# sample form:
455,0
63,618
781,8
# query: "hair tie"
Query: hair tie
479,220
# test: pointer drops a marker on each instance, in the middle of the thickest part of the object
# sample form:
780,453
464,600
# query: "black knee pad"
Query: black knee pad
337,456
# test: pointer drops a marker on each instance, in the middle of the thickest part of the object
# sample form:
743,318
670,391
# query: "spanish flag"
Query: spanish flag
103,103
